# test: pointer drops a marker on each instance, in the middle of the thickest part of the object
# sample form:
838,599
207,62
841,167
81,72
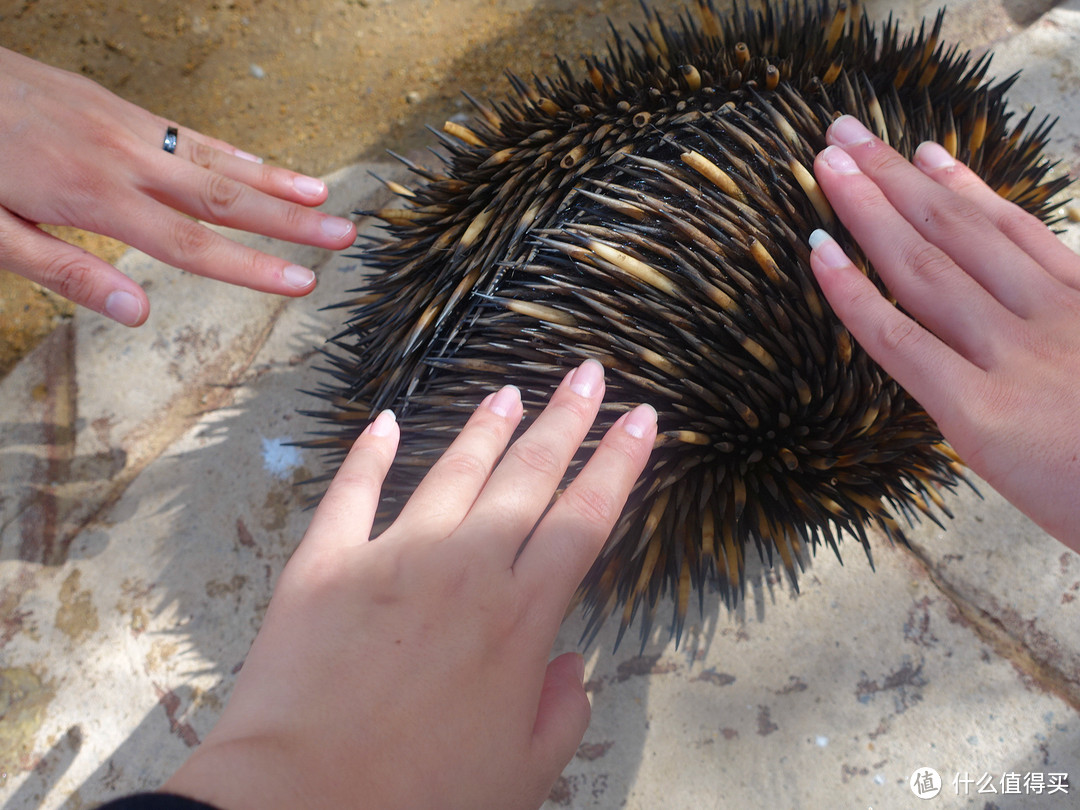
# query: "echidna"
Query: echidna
653,214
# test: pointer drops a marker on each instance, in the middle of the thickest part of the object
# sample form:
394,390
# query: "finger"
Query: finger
161,232
955,225
191,136
151,128
1026,230
562,717
569,537
520,488
70,271
910,354
448,491
215,198
347,510
272,180
925,280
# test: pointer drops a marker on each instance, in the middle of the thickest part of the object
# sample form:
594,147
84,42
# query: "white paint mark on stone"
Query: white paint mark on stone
279,459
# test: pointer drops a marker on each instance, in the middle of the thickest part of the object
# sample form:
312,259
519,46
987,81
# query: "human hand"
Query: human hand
412,671
989,339
72,153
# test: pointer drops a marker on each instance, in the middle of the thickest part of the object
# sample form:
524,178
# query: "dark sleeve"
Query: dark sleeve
156,801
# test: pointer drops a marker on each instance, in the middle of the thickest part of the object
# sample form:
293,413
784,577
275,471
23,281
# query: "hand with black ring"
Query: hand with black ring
72,153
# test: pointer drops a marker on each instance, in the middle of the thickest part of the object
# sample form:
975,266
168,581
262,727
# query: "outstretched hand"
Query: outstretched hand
412,671
988,340
72,153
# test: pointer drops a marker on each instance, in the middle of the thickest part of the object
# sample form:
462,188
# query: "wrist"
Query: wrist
239,775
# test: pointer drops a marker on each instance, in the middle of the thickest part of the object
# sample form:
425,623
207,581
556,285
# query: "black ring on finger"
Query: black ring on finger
170,140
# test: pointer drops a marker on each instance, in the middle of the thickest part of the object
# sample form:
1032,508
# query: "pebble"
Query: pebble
412,97
257,71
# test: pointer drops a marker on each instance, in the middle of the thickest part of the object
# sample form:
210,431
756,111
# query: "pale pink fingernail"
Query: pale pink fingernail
123,307
335,228
504,401
849,131
587,378
309,186
383,424
640,421
827,250
931,156
240,153
297,276
839,160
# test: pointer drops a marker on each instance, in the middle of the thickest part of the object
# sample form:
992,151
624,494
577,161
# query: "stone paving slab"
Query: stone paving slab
130,592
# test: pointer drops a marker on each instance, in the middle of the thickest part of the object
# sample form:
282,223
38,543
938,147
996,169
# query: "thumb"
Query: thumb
563,714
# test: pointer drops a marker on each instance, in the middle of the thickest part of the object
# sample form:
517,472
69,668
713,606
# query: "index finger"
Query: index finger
910,354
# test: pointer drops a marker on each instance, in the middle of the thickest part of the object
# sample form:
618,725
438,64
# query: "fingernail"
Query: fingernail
240,153
335,227
309,186
297,276
123,307
931,156
383,423
505,400
640,421
839,160
849,131
587,378
827,250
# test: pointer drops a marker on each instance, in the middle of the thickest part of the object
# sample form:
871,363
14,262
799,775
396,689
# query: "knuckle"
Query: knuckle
952,215
266,175
624,445
464,465
858,298
253,269
1018,224
876,160
295,218
581,409
925,261
191,239
594,506
863,197
896,337
537,457
202,155
220,196
70,277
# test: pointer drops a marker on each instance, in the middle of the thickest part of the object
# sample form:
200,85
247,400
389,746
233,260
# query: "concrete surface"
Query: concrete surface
147,505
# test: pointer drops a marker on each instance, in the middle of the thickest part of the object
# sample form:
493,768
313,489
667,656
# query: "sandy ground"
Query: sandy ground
309,84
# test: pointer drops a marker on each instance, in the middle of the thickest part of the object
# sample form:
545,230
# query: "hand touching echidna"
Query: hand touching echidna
991,342
341,719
